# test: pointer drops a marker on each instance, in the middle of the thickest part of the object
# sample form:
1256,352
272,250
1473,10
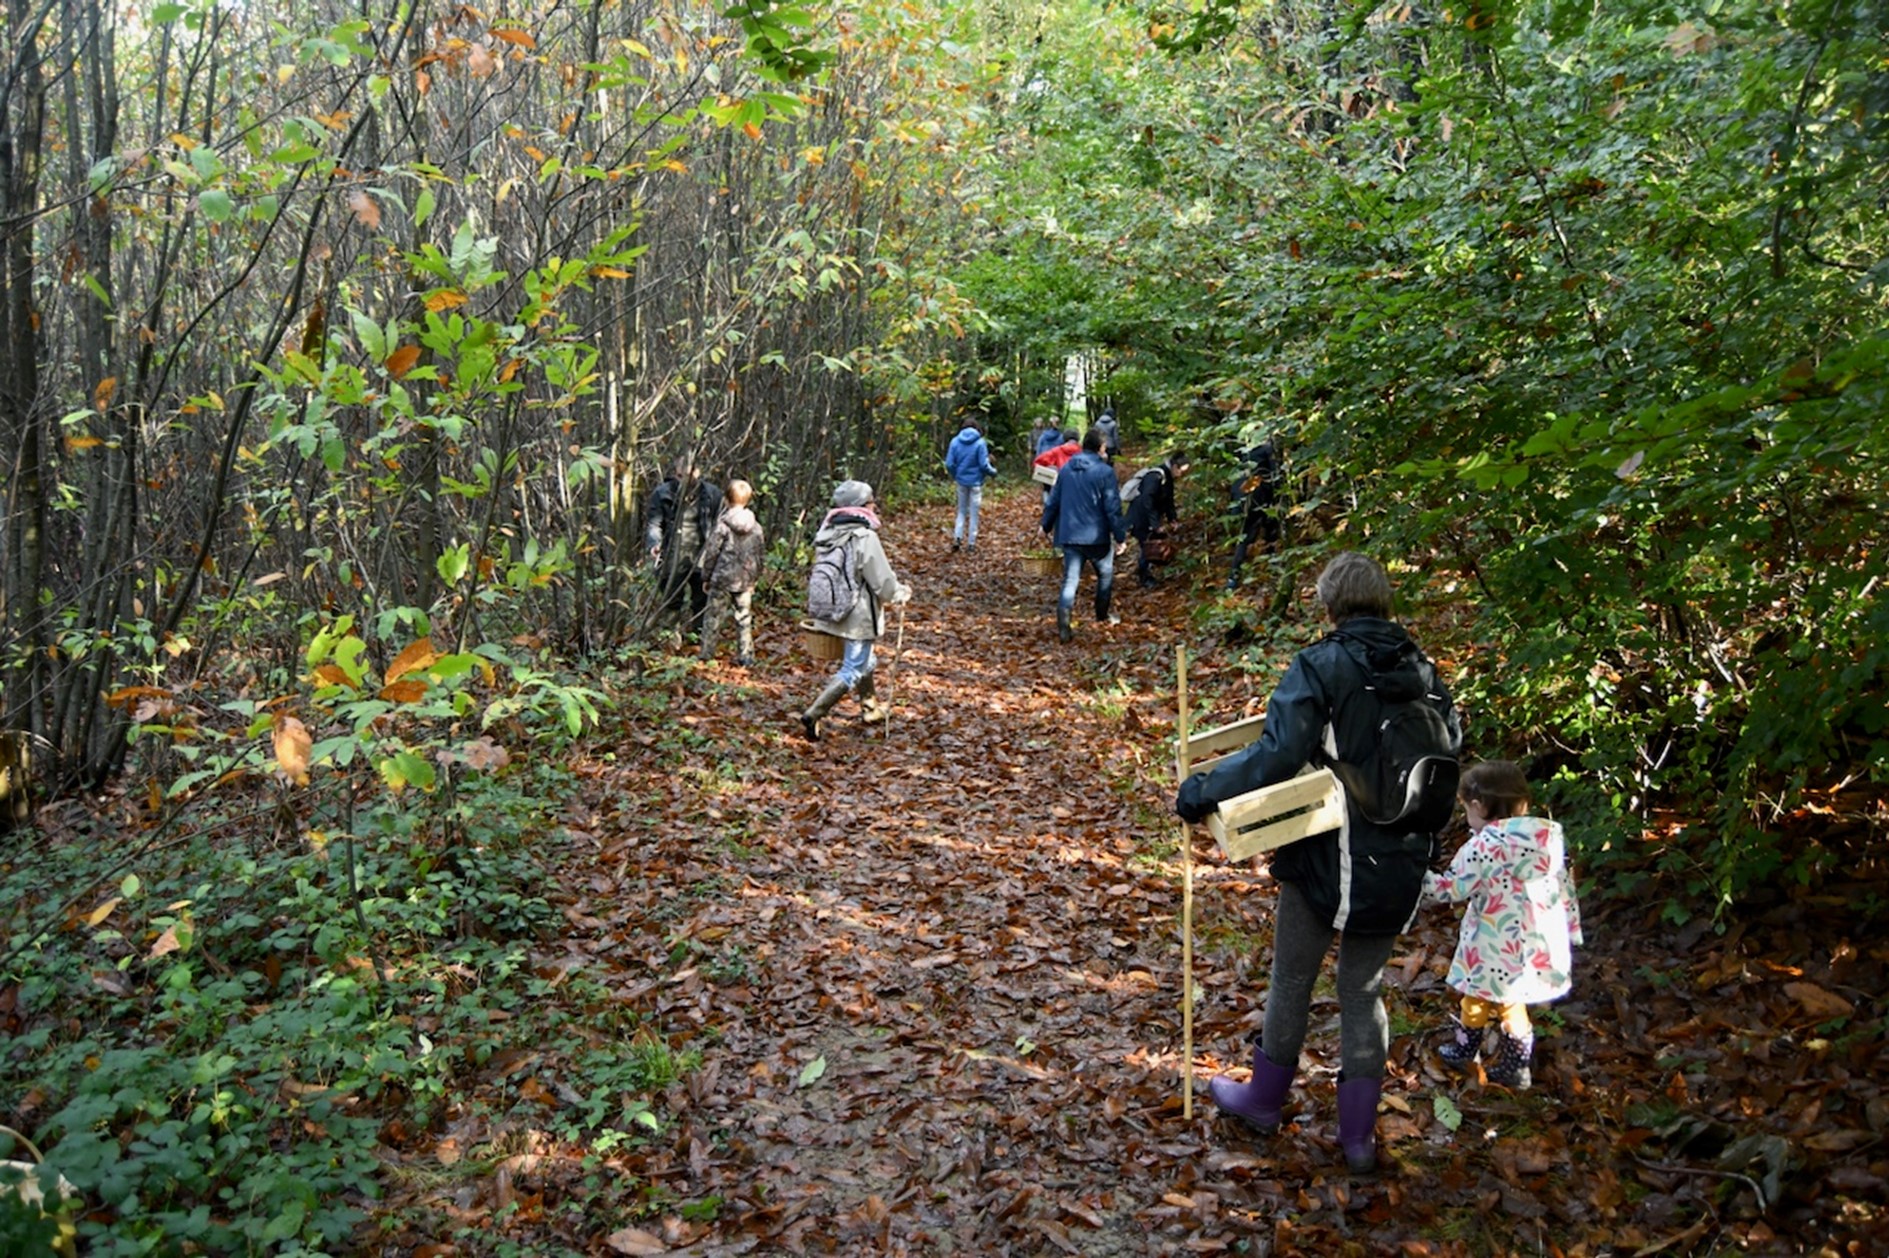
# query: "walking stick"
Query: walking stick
1187,899
891,673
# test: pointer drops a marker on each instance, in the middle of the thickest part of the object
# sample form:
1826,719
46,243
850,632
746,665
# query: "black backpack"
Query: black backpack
833,585
1410,783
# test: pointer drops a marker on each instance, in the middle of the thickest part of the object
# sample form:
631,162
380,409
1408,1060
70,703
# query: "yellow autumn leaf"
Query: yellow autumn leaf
292,748
81,441
445,299
166,943
103,911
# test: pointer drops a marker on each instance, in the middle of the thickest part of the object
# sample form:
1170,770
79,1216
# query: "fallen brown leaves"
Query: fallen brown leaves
934,975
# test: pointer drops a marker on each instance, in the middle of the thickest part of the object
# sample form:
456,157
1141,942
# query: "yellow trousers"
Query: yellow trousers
1479,1013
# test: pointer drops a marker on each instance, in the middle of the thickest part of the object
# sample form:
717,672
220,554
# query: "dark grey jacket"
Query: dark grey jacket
1362,877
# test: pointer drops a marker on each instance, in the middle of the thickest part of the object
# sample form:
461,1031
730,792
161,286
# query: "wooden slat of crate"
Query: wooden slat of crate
1274,816
1043,474
1211,745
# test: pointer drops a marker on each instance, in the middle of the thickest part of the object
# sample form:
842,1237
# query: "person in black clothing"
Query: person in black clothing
680,516
1258,490
1152,506
1359,883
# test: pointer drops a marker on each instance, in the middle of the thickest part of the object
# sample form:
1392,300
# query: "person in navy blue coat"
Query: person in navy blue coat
1083,515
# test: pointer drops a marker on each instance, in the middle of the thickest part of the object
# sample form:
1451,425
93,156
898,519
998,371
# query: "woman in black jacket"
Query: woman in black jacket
1360,882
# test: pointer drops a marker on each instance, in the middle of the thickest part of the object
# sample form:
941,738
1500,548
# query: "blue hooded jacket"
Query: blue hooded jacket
1085,504
967,458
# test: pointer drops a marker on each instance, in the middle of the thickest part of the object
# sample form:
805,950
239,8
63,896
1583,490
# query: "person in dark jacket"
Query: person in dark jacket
1083,515
1257,491
967,459
1152,506
678,520
1111,431
1360,882
1047,440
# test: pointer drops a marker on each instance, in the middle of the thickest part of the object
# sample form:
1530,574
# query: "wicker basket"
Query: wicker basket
1043,563
821,645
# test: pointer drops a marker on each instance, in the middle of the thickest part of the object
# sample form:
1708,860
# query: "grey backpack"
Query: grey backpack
833,585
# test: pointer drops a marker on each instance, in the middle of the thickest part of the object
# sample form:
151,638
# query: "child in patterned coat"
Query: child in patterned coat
1520,927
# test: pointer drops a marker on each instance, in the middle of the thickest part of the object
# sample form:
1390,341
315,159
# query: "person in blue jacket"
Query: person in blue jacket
1083,515
967,458
1048,439
1359,883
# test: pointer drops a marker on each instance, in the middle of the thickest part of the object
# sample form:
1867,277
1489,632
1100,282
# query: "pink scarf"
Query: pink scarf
865,513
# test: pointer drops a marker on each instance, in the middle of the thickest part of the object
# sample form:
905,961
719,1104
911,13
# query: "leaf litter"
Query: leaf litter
933,974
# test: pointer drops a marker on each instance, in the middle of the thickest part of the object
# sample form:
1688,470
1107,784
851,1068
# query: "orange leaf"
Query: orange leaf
403,691
445,299
366,211
292,748
418,655
515,37
331,675
401,361
609,272
102,395
79,441
124,696
754,132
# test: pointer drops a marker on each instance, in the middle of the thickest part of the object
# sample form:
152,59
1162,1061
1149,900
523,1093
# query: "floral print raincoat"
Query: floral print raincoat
1523,920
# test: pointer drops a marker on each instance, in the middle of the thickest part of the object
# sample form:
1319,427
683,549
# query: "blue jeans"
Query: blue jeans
855,662
1101,557
970,498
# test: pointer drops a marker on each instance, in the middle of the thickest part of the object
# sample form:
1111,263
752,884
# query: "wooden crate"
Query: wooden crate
1274,816
821,645
1046,563
1043,475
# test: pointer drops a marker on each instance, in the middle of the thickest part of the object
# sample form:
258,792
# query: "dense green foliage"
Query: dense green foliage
1581,313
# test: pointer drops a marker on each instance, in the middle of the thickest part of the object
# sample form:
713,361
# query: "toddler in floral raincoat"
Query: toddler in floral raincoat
1519,929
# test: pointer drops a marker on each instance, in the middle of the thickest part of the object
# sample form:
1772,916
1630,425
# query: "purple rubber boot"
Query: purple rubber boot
1260,1103
1357,1122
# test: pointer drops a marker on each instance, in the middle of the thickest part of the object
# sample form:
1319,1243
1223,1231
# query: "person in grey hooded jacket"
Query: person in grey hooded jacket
731,564
1361,882
854,520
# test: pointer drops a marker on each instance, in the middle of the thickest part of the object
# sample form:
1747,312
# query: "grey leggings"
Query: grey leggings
1299,944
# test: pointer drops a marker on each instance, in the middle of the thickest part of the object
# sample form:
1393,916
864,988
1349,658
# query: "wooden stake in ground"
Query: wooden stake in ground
1187,898
891,674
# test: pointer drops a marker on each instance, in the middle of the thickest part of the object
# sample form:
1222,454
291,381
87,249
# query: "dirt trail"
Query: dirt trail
934,970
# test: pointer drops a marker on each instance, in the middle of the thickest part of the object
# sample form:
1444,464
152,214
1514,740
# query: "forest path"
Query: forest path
933,971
